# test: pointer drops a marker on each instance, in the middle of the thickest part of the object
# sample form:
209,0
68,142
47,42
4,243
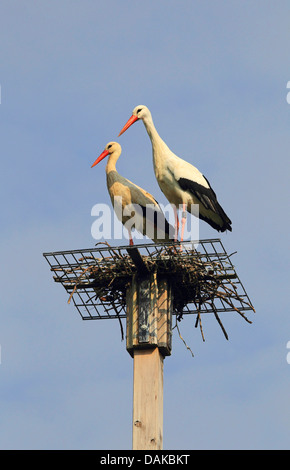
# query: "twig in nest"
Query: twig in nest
225,299
120,322
198,320
237,297
76,284
112,280
111,248
187,347
219,320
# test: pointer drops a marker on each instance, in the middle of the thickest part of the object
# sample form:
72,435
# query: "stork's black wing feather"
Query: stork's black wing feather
208,199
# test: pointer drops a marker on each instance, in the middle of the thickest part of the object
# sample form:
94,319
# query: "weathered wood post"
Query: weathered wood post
149,338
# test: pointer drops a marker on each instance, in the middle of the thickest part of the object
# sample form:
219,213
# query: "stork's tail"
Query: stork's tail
155,224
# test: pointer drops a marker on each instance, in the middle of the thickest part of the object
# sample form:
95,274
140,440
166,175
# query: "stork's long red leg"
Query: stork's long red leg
130,238
176,223
183,220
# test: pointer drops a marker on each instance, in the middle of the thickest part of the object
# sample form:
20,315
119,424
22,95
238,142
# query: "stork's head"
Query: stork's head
140,112
110,148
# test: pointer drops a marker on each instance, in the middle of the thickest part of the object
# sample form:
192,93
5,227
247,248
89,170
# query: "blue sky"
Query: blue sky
214,76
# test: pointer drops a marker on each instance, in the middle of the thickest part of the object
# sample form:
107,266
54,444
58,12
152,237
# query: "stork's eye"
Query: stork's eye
139,110
109,146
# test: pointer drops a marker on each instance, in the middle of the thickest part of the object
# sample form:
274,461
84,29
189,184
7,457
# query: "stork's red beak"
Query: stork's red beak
101,157
128,124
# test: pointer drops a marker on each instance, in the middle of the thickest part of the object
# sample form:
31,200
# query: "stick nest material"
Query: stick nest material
200,283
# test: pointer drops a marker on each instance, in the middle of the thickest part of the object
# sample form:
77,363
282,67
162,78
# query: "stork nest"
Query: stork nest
201,282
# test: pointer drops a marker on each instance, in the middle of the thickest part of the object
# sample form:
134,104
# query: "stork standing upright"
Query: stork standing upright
181,182
148,217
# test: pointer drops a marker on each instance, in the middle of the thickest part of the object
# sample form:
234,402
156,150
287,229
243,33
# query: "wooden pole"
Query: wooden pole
148,400
149,306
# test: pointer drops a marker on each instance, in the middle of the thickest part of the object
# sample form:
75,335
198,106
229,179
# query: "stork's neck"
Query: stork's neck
157,143
111,164
159,147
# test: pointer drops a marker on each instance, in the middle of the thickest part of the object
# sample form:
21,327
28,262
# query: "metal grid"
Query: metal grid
202,276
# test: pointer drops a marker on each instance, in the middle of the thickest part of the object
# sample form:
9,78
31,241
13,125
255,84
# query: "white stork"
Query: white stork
135,203
181,182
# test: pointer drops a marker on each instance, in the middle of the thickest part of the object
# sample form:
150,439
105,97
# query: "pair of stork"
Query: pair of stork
182,184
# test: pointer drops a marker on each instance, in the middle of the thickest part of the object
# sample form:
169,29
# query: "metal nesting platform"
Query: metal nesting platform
202,277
